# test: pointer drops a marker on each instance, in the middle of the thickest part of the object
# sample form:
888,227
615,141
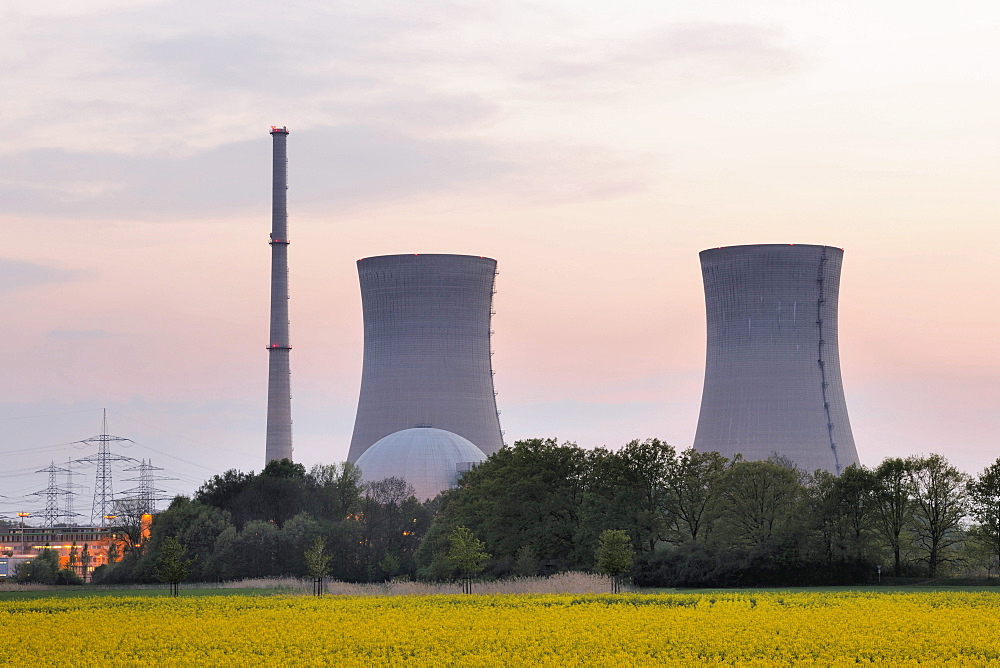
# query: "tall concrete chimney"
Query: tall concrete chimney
279,391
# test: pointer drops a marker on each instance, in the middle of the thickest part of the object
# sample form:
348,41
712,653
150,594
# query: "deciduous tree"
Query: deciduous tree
172,567
467,554
692,487
984,505
614,555
855,493
759,500
531,494
318,563
939,493
893,505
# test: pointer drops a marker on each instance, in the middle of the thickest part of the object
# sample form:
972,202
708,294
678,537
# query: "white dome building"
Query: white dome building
429,459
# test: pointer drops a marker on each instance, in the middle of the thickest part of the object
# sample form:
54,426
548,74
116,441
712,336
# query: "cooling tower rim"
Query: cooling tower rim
433,255
765,246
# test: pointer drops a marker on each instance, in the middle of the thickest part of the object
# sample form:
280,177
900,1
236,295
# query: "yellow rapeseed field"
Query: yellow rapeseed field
745,629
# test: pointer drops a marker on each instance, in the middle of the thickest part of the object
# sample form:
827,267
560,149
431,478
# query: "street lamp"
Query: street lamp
22,516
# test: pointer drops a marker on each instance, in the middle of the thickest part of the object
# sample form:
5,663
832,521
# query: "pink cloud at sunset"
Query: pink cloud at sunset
592,151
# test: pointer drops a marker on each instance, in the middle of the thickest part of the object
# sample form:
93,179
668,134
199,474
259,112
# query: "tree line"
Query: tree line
247,525
699,519
540,507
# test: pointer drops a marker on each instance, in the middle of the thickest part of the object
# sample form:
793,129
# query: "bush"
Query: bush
44,569
66,576
41,570
695,565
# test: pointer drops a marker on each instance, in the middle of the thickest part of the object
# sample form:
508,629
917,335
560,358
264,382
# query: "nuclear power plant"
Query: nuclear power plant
772,373
427,356
772,370
279,391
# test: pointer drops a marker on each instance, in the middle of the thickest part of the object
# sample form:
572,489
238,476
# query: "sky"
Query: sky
592,148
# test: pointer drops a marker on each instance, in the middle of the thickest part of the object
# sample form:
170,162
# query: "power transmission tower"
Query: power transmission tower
69,490
51,493
104,495
145,495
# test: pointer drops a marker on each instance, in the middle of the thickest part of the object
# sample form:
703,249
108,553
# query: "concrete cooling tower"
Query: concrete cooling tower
427,349
772,371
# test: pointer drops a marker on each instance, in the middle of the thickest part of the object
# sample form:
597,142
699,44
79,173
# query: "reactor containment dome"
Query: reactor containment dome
427,354
429,459
772,369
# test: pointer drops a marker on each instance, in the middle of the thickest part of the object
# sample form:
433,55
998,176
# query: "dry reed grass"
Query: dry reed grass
7,585
562,583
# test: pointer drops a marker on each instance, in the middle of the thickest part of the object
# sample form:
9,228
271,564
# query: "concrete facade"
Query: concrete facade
279,386
427,356
772,373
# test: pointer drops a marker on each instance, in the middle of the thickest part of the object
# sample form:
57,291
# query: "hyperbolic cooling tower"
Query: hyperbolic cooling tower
279,390
772,373
427,349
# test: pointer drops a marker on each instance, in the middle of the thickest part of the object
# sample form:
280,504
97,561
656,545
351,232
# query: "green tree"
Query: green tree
825,518
278,493
338,487
759,501
318,563
531,493
172,567
893,499
984,506
431,556
624,489
526,561
113,554
256,549
294,538
284,468
467,555
42,568
197,526
939,491
85,561
222,491
692,488
646,467
614,555
855,494
386,514
977,554
73,563
390,565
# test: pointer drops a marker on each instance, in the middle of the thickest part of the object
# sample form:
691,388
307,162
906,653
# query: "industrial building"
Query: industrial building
772,371
80,548
429,459
427,356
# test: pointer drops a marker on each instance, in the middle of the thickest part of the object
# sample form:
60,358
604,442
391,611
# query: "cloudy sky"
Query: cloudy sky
593,148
